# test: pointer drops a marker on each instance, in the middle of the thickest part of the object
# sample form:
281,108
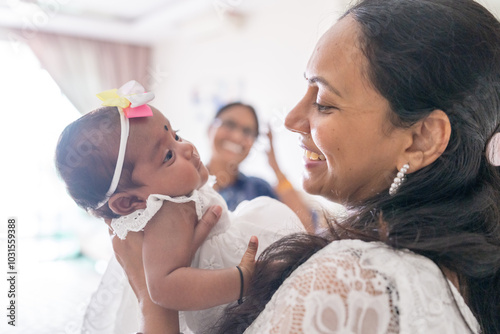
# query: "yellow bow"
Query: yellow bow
111,98
131,99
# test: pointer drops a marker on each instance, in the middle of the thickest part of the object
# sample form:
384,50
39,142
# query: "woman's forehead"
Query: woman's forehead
340,41
235,110
240,114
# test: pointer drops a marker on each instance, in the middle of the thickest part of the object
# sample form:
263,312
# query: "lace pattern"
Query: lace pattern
137,220
356,287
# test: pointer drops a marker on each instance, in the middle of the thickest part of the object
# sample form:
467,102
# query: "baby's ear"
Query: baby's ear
124,203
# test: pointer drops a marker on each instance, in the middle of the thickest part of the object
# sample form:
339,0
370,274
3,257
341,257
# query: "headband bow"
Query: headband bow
131,100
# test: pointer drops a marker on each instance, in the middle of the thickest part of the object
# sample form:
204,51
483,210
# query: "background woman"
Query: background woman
232,134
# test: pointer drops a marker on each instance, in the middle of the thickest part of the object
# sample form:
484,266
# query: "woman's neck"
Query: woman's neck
224,172
452,277
455,280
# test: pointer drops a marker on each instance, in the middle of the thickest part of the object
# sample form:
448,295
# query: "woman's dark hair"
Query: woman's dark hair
239,104
424,55
86,156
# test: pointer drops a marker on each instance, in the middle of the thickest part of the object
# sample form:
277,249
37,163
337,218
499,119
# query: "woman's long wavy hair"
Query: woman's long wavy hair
422,55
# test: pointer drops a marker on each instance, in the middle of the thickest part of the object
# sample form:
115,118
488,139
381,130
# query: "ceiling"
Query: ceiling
133,21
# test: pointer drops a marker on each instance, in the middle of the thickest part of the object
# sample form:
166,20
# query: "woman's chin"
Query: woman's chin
231,158
310,186
320,188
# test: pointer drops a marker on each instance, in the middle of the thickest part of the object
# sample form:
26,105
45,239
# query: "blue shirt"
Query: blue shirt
246,188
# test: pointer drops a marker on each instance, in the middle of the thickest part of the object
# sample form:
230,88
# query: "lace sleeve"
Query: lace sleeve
333,292
351,286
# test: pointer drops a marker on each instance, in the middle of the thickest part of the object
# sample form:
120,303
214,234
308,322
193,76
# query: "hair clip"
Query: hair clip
493,150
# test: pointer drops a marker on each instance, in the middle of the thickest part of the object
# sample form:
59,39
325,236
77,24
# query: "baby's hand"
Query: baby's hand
247,263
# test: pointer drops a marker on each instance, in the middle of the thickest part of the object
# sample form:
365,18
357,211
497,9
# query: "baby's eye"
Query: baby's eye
168,156
177,137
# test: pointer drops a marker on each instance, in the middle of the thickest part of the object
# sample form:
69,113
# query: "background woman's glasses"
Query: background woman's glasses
231,126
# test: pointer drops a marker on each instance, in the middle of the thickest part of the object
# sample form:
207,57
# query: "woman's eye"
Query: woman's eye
168,156
321,107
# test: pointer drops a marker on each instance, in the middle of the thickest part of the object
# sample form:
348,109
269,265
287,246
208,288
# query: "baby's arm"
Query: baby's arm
154,318
167,257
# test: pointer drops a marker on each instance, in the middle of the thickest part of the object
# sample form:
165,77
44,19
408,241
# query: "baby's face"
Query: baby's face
164,163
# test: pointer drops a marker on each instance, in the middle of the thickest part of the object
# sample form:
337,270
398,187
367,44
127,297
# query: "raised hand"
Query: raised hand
247,263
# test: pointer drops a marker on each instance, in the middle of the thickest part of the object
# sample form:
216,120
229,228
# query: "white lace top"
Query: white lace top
352,286
264,217
137,220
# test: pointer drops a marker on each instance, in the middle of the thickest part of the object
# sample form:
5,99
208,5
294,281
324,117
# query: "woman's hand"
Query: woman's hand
271,156
247,264
287,194
204,226
128,252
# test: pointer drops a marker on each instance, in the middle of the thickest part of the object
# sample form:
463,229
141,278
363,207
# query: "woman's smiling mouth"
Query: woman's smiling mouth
314,156
233,147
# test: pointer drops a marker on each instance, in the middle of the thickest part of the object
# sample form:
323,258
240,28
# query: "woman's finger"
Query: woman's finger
248,258
205,225
110,229
270,134
247,264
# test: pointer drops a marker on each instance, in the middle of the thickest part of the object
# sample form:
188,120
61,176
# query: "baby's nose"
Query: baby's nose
187,150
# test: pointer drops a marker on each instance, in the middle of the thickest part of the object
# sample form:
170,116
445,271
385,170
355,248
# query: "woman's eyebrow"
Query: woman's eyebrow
323,82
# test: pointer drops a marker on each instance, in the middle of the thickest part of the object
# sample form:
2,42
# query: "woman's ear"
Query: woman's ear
430,139
125,203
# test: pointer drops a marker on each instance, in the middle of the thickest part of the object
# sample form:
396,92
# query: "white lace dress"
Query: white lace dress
113,307
352,286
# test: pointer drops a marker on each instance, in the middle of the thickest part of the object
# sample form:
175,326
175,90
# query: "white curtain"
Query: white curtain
84,67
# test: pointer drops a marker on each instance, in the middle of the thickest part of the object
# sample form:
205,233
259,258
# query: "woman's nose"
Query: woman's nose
297,119
237,135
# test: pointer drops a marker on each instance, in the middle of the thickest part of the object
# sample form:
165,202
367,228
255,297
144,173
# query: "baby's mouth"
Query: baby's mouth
314,156
233,147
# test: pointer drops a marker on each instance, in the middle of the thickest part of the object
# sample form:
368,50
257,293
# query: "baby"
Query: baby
132,147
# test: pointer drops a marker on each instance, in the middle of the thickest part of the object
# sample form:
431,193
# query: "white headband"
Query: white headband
125,125
131,101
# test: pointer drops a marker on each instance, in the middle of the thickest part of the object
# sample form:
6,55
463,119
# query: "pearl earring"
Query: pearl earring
398,180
